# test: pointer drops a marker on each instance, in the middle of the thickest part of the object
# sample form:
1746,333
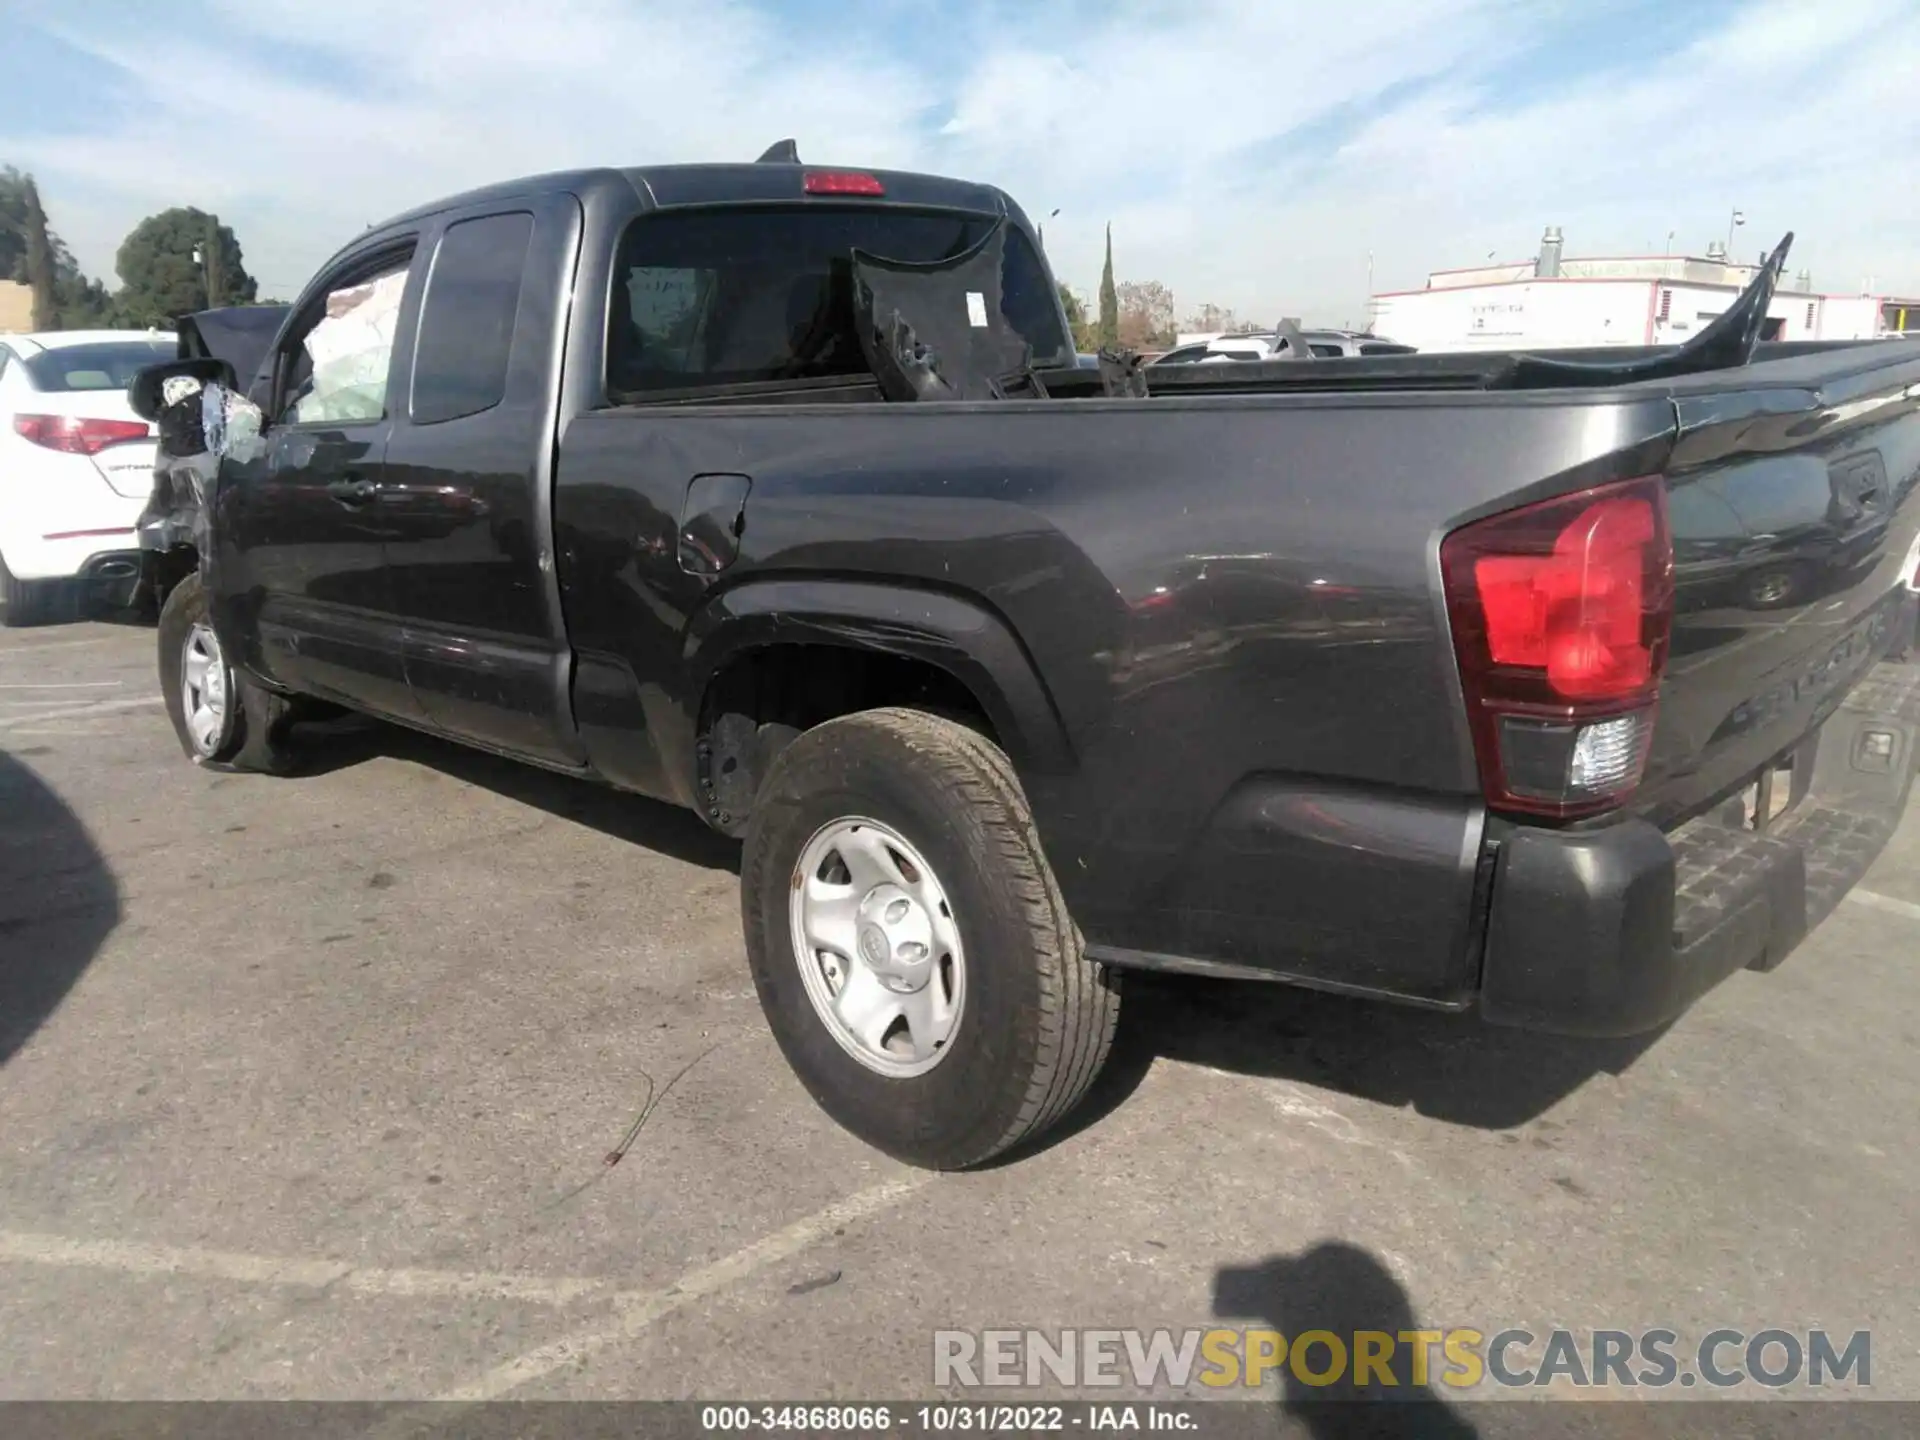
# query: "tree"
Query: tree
39,262
1109,332
1145,315
160,277
1220,319
13,224
63,298
1077,325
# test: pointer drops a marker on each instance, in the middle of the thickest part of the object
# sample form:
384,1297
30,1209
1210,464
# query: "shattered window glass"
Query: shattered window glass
341,374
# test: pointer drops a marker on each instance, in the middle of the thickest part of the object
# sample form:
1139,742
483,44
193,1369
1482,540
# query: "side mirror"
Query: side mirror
144,393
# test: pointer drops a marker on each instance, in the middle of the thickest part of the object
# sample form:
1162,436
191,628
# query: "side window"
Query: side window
466,321
336,370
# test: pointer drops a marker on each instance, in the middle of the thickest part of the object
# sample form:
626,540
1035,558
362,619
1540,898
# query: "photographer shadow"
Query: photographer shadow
1340,1289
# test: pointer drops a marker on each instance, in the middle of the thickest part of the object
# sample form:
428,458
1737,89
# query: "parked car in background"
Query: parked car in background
1268,345
76,466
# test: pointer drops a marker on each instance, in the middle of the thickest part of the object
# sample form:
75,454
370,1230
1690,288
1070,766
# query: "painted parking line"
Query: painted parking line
103,707
633,1311
636,1311
34,647
67,685
125,1257
1887,903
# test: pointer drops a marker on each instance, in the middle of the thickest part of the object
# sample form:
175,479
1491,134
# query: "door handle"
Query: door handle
352,490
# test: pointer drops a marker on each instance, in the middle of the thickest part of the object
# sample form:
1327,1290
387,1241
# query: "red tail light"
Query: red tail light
1561,613
842,182
76,434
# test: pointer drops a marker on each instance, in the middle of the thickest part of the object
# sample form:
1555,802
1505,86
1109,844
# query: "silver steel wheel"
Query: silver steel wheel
878,947
1772,589
204,689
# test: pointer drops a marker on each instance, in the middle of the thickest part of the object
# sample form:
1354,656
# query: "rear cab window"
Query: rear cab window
100,365
713,298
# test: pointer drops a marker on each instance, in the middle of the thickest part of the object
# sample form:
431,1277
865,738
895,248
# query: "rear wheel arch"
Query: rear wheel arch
771,660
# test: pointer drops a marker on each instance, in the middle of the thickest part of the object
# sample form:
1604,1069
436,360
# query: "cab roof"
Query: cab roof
761,182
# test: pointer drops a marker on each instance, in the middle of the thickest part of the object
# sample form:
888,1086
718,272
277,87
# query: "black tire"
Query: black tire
256,721
1776,587
37,602
1038,1016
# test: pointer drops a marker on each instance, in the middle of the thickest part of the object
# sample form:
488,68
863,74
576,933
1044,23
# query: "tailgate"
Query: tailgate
1794,515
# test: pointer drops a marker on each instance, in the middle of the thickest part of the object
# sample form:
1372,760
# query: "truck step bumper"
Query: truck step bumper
1616,931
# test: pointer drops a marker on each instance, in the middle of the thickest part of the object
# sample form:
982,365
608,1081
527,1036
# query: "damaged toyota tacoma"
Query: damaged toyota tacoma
1551,686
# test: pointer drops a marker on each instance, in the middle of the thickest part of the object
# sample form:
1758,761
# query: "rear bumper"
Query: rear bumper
113,577
1615,931
68,554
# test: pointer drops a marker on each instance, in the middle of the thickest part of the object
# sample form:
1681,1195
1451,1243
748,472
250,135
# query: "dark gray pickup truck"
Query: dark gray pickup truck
1552,686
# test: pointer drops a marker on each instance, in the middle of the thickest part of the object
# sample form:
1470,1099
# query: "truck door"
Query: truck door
301,551
464,503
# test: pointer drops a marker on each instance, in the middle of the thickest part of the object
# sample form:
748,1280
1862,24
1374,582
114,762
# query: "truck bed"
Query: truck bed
1229,607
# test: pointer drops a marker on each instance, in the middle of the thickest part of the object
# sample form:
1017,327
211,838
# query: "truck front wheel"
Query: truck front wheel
224,720
910,946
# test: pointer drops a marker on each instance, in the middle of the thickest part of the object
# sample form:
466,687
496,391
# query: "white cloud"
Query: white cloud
1248,153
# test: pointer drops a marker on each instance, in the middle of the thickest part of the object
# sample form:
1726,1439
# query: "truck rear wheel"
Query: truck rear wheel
910,946
224,720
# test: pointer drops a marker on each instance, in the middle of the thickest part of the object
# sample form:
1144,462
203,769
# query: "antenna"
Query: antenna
781,152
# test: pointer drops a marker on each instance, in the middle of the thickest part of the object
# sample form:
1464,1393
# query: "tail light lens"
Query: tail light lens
76,434
1561,613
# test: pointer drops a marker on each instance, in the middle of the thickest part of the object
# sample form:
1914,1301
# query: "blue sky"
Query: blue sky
1250,153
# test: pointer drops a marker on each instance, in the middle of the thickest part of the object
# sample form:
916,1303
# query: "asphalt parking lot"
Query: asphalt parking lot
306,1085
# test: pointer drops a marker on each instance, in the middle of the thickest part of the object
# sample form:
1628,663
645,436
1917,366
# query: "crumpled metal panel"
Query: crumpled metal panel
199,424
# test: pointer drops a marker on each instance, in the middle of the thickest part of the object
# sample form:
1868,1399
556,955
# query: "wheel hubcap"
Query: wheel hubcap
878,947
203,688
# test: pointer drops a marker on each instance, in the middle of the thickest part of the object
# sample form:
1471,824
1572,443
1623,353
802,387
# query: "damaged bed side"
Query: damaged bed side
195,404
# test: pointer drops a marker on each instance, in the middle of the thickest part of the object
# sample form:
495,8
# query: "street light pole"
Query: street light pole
1733,220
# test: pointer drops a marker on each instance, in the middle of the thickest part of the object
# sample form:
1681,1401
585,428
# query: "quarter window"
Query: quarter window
467,319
